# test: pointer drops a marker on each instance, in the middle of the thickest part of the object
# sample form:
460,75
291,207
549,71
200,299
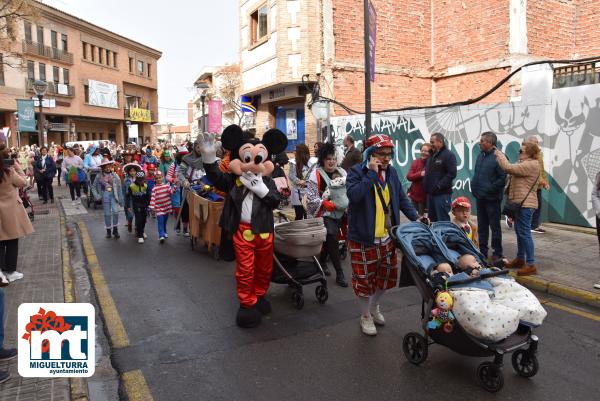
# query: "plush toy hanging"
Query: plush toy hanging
442,314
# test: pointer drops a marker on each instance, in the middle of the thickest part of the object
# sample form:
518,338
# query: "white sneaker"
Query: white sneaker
14,276
378,317
367,326
161,240
186,234
3,280
597,285
140,240
74,203
166,235
145,236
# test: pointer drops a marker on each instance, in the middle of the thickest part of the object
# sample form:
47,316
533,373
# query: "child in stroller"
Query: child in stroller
426,249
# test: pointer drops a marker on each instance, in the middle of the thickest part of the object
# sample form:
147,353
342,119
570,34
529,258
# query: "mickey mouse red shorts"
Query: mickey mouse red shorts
373,267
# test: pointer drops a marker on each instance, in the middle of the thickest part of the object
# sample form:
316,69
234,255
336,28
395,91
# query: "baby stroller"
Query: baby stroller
27,204
295,261
422,249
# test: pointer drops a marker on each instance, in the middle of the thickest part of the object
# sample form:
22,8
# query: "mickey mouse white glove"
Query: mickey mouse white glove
255,184
208,148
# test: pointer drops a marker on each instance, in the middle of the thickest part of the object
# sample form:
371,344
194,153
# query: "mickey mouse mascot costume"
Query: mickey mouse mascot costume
248,212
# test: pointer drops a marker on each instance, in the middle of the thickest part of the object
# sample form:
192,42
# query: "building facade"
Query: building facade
100,85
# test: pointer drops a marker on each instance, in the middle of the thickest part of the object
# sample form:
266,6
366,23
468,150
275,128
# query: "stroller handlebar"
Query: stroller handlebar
478,278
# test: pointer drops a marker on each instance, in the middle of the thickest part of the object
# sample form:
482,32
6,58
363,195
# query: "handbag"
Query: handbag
512,209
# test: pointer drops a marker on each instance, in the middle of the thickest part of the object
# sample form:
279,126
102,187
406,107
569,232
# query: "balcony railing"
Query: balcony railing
139,114
53,89
39,49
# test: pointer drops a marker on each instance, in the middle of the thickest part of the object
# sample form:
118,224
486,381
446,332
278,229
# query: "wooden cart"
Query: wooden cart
204,222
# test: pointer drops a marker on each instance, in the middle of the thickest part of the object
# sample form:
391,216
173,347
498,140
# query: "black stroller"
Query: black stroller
422,248
297,246
27,204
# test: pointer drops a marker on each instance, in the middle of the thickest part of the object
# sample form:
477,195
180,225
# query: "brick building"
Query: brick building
427,52
99,82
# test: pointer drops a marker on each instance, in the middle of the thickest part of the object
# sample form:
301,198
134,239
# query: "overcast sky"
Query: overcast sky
190,34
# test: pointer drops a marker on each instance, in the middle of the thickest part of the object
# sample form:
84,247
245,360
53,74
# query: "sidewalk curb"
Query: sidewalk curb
560,290
79,388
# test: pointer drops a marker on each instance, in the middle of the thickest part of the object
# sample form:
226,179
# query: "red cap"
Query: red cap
379,141
462,201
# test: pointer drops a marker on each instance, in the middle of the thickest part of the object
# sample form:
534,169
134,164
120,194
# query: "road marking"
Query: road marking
136,386
574,311
114,324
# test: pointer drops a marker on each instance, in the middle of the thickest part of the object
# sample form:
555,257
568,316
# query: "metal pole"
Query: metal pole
329,136
42,132
203,117
367,73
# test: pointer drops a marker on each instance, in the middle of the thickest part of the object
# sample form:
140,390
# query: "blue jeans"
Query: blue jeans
111,210
1,317
525,246
161,221
438,207
488,217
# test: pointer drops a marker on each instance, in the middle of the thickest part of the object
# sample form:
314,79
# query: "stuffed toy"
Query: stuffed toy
442,314
336,192
247,211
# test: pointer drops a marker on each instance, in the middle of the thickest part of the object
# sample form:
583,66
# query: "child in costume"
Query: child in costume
138,199
160,204
248,212
461,216
129,172
107,186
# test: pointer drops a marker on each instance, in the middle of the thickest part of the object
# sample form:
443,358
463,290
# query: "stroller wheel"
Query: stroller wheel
415,348
490,376
298,300
525,363
322,294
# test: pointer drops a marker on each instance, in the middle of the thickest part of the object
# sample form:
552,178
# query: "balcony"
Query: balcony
53,89
38,49
138,114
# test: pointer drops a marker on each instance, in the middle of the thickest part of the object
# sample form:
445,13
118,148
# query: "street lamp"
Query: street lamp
40,87
204,88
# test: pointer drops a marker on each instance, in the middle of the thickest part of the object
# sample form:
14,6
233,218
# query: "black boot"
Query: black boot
248,317
116,233
108,233
340,279
129,226
263,306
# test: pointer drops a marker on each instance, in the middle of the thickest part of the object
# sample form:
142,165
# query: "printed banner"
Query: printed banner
26,114
132,132
249,104
142,115
103,94
291,124
215,116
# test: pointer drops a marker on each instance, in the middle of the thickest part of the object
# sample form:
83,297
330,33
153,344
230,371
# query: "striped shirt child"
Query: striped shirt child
160,201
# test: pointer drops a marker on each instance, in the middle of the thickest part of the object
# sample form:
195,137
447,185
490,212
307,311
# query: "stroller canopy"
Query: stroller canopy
455,241
418,243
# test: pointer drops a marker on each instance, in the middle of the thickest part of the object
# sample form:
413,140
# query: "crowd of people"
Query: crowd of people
359,198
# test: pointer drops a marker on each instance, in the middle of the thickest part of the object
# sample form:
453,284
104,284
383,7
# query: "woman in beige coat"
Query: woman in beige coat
524,178
14,222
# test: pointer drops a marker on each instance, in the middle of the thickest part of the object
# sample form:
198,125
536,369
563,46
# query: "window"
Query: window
65,76
93,52
30,70
259,24
55,75
149,75
54,39
108,57
130,64
140,67
40,35
85,50
28,37
63,39
114,59
100,54
42,68
86,94
1,70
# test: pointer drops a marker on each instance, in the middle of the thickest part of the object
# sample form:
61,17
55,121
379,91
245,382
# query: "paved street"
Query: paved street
178,309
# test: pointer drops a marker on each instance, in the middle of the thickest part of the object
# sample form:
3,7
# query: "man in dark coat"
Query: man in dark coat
352,155
440,171
487,186
47,168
